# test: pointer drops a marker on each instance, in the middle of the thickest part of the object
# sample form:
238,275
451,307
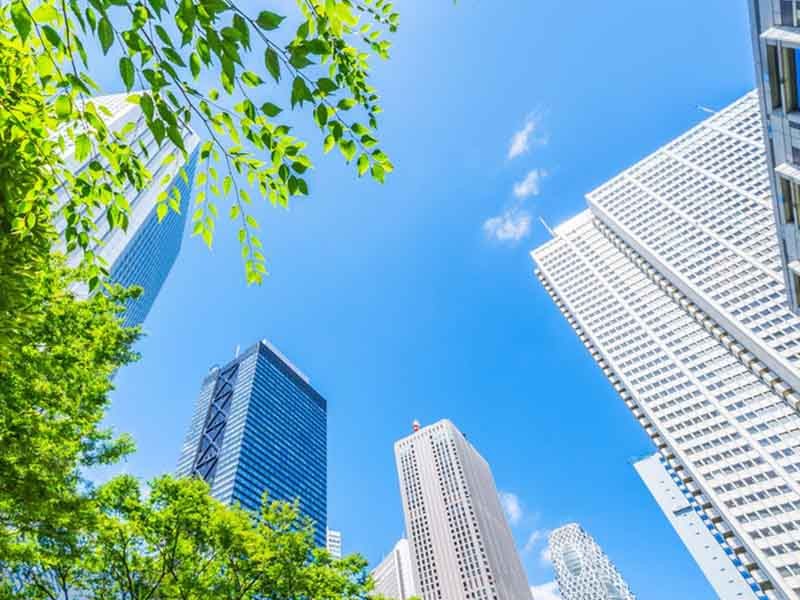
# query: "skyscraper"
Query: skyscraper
333,542
583,571
705,543
142,255
394,577
259,426
672,281
461,545
775,26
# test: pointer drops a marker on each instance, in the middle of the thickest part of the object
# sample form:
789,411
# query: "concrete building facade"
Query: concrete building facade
461,544
673,282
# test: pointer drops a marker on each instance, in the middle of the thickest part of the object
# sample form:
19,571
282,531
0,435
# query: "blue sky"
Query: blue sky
401,303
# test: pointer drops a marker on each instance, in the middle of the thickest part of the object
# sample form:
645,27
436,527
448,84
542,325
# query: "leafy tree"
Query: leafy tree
178,543
56,352
170,50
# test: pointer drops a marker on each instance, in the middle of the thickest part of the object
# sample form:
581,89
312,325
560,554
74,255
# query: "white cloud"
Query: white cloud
531,185
522,140
545,591
545,557
511,226
536,536
511,504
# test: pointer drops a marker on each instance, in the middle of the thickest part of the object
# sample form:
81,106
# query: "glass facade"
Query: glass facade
260,427
148,257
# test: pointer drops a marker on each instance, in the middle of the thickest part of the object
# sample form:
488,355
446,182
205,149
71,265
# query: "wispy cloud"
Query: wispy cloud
545,591
512,507
522,140
536,536
545,557
531,185
510,226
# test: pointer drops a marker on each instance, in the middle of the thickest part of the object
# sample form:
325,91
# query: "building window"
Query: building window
787,200
790,78
787,13
774,76
796,279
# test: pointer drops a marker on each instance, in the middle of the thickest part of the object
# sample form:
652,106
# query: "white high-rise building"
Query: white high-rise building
461,544
775,26
672,280
583,571
394,577
333,543
700,536
142,254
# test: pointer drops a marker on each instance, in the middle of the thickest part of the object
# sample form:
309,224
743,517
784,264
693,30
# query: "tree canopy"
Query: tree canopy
213,63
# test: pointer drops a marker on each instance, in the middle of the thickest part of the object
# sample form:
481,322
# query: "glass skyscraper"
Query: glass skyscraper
144,254
258,427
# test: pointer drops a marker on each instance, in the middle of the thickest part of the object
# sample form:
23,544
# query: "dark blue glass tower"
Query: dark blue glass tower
260,426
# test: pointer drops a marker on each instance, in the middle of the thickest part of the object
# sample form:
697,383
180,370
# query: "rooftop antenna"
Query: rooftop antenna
546,226
705,109
415,426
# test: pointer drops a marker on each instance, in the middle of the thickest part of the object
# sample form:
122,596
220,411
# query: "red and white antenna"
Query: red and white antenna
415,426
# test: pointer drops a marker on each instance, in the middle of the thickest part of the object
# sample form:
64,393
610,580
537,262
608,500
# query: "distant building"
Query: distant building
583,570
394,577
461,544
260,427
334,543
672,282
704,541
143,254
775,26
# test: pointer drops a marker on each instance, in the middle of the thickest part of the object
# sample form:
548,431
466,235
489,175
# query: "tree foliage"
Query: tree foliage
56,352
230,71
176,542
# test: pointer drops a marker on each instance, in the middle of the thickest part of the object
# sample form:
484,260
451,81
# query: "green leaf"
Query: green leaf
363,164
270,109
273,64
194,64
326,85
106,34
346,104
82,147
251,79
268,20
63,106
321,115
300,92
348,148
329,143
226,184
161,211
22,22
45,13
126,71
173,56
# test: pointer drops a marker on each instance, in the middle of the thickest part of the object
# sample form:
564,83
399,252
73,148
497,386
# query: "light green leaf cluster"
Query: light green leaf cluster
165,48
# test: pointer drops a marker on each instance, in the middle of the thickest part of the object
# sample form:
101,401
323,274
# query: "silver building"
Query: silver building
700,536
461,544
333,543
672,280
775,26
144,253
583,571
394,577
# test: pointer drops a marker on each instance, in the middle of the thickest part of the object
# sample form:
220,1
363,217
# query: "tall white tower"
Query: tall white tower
672,280
394,577
461,544
583,570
